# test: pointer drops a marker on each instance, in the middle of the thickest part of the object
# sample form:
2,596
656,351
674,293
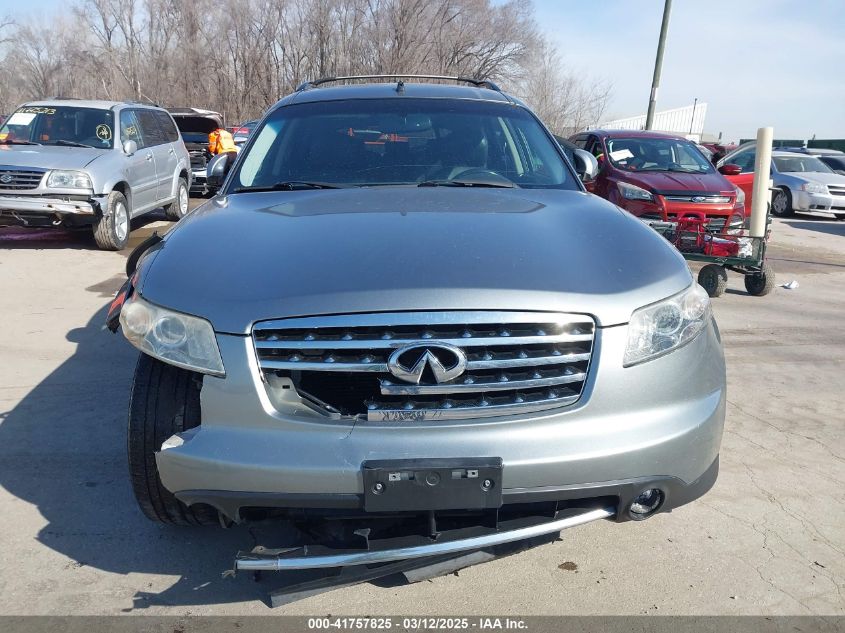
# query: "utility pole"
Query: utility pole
658,64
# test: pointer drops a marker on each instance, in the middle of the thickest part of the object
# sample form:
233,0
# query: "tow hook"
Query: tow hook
57,220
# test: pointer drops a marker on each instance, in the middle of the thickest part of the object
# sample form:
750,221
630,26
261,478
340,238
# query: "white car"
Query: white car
802,182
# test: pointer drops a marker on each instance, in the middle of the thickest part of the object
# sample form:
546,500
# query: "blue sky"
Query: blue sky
755,62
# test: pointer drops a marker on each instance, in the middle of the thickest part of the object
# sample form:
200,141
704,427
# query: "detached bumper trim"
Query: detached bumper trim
301,560
37,204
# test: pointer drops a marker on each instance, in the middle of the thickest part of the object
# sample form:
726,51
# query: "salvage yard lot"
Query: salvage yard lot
768,539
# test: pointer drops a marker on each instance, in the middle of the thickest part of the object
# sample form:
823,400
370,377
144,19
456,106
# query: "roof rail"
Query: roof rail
148,102
481,83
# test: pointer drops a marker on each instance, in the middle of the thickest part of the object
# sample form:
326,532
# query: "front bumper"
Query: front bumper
306,558
658,421
803,201
47,206
579,512
198,180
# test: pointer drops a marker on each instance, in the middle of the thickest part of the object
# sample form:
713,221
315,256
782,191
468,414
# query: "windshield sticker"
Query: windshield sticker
103,132
20,118
130,130
37,110
621,154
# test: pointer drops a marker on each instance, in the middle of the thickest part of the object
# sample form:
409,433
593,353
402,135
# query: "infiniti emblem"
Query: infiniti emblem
445,361
6,178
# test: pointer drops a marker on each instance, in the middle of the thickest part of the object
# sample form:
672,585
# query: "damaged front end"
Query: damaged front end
388,539
148,246
44,211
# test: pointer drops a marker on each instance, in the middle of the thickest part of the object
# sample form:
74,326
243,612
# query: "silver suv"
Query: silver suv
403,316
91,163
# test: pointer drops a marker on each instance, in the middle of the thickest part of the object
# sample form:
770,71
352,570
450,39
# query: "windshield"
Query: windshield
402,142
60,125
800,163
656,154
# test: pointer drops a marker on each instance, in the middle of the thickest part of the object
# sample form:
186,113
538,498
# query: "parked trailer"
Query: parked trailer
739,250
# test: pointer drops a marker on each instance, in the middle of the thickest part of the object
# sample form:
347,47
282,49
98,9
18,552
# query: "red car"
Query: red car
660,176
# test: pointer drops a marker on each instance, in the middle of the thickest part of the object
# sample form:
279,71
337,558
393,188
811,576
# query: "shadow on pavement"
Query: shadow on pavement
21,237
831,227
63,449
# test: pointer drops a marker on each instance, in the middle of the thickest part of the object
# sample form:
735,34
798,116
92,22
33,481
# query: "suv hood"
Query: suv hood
49,156
666,182
254,256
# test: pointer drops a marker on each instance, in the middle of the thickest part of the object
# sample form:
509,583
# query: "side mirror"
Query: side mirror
730,170
218,167
130,147
586,165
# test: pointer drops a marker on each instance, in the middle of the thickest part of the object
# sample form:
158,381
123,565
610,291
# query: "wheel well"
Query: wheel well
123,188
184,174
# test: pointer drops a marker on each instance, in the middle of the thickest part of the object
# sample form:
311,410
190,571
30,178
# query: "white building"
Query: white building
688,121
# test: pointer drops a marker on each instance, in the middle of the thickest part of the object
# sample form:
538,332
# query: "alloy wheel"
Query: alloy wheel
121,221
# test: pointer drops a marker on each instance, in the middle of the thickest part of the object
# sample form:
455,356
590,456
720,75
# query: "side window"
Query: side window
150,130
168,127
129,130
745,160
581,141
594,146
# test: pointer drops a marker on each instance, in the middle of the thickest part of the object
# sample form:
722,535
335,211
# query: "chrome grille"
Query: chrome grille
836,190
516,362
700,199
19,180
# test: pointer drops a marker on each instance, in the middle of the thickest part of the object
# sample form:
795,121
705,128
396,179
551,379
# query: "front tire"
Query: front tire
111,232
782,203
714,279
762,283
179,208
165,400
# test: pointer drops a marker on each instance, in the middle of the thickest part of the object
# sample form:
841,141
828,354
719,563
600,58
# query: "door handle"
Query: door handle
171,151
148,157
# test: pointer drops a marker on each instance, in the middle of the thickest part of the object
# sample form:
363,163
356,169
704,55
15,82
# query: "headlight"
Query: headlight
68,180
179,339
814,187
661,327
632,192
740,196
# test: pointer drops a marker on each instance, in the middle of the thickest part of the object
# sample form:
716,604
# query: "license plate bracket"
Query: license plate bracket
416,485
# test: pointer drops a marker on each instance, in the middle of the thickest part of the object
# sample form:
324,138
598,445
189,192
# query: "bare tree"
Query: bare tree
239,56
565,100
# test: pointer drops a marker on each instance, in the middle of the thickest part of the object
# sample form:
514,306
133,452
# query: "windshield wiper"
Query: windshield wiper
9,141
687,171
466,183
71,144
288,185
